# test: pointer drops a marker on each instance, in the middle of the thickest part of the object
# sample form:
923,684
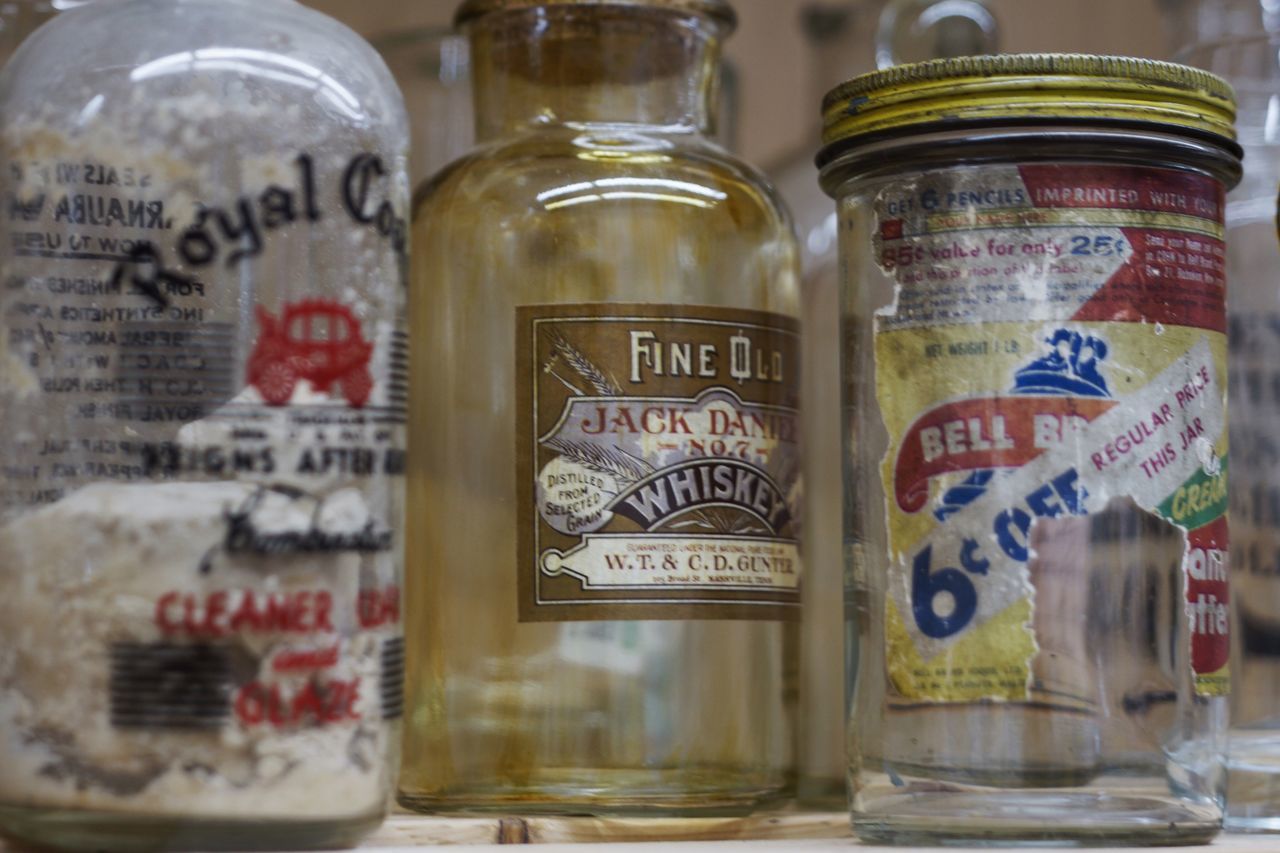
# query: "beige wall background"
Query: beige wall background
779,112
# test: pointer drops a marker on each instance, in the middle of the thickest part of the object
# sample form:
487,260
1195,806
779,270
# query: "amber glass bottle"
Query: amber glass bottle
604,476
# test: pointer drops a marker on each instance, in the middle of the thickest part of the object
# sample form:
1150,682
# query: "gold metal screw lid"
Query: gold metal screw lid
720,10
1039,87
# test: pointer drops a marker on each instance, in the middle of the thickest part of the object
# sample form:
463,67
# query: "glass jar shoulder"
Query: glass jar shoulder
555,218
580,175
134,62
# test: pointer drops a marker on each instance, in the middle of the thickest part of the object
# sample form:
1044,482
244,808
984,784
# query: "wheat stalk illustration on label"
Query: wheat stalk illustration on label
595,377
614,461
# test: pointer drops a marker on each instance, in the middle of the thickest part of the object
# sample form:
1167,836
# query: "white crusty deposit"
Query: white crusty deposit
86,573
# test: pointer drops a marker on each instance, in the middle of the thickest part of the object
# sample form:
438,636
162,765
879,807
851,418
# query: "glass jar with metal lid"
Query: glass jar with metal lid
1035,357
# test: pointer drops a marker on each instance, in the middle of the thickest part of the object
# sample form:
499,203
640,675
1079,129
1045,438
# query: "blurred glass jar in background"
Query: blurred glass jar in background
17,21
920,30
845,40
1239,40
20,18
433,67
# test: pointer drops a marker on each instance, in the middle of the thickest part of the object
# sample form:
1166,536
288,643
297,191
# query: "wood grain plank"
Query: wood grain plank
405,830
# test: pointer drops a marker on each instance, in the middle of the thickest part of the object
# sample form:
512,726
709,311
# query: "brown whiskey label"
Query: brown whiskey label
658,463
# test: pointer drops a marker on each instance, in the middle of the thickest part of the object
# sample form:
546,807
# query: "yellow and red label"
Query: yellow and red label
1056,348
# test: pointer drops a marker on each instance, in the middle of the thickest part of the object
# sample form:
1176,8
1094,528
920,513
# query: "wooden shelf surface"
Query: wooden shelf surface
784,831
406,830
800,831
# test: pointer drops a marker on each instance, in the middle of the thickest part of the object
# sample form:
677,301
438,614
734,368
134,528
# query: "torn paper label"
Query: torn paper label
1057,340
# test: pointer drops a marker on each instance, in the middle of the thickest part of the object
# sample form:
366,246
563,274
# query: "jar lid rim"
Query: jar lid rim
720,10
1030,86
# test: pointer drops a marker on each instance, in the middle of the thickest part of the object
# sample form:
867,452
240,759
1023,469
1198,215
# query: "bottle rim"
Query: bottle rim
718,10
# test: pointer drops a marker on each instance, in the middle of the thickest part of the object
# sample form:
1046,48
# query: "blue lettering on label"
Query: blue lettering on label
1012,530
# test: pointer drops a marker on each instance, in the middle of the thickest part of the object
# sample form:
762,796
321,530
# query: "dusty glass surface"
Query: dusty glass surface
201,429
433,68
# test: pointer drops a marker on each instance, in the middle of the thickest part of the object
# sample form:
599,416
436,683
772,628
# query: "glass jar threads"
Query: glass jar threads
1034,322
201,429
604,469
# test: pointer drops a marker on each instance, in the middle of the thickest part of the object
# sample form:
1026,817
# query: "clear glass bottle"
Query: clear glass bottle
918,30
202,429
845,40
1240,40
1036,363
581,639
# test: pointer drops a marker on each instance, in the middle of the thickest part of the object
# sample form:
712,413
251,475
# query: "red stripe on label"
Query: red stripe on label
1172,277
1208,596
977,435
1124,188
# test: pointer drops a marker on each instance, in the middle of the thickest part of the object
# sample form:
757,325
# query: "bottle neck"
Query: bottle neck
562,65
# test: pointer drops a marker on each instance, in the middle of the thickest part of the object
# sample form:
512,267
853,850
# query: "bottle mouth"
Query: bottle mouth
719,10
1030,87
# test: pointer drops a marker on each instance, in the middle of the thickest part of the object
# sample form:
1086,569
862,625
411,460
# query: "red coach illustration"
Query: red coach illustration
317,340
